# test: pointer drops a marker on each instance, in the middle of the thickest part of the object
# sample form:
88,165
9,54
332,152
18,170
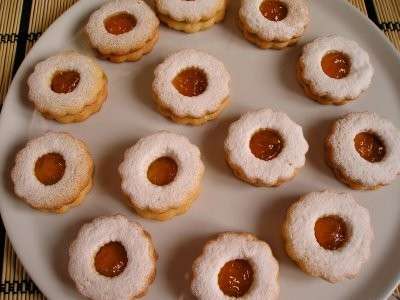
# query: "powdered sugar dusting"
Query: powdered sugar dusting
345,155
349,87
137,159
332,265
290,27
140,267
209,101
146,25
231,246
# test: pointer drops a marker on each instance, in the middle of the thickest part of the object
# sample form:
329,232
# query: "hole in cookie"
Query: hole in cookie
50,168
111,259
336,64
120,23
162,171
191,82
235,278
273,10
64,82
330,232
266,144
369,146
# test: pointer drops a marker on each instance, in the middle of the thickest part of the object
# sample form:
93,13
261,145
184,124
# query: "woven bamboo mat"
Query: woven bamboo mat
21,24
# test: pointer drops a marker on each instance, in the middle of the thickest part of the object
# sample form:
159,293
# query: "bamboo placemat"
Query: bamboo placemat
21,24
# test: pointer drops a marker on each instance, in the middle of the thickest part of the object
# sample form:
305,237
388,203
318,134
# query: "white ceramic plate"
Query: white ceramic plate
260,78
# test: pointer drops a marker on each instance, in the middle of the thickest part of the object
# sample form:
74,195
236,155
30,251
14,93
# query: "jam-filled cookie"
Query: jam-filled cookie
265,148
123,30
161,175
67,87
334,70
328,235
191,87
112,258
235,265
190,16
273,24
53,172
363,150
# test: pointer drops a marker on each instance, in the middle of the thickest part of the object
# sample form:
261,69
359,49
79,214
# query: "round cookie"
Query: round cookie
191,16
363,150
67,87
112,258
265,148
53,172
273,24
123,30
191,87
328,235
161,175
235,265
334,70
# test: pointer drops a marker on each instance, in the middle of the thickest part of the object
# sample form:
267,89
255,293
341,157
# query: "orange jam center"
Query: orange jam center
369,146
336,64
235,278
266,144
111,259
50,168
330,232
162,171
120,23
191,82
65,81
273,10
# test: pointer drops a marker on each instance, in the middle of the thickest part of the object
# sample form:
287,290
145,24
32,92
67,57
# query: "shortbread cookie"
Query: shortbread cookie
112,258
191,87
190,16
265,148
67,87
123,30
273,24
334,70
235,265
328,235
161,175
363,150
53,172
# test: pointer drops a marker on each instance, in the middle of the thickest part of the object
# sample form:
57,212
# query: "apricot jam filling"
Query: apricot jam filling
120,23
336,64
273,10
50,168
369,146
64,82
162,171
235,278
111,259
191,82
266,144
330,232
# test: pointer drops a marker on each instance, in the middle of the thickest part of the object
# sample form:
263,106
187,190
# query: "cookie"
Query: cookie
190,16
265,148
363,150
161,175
334,70
123,30
191,87
53,172
328,234
68,87
235,265
112,258
273,24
